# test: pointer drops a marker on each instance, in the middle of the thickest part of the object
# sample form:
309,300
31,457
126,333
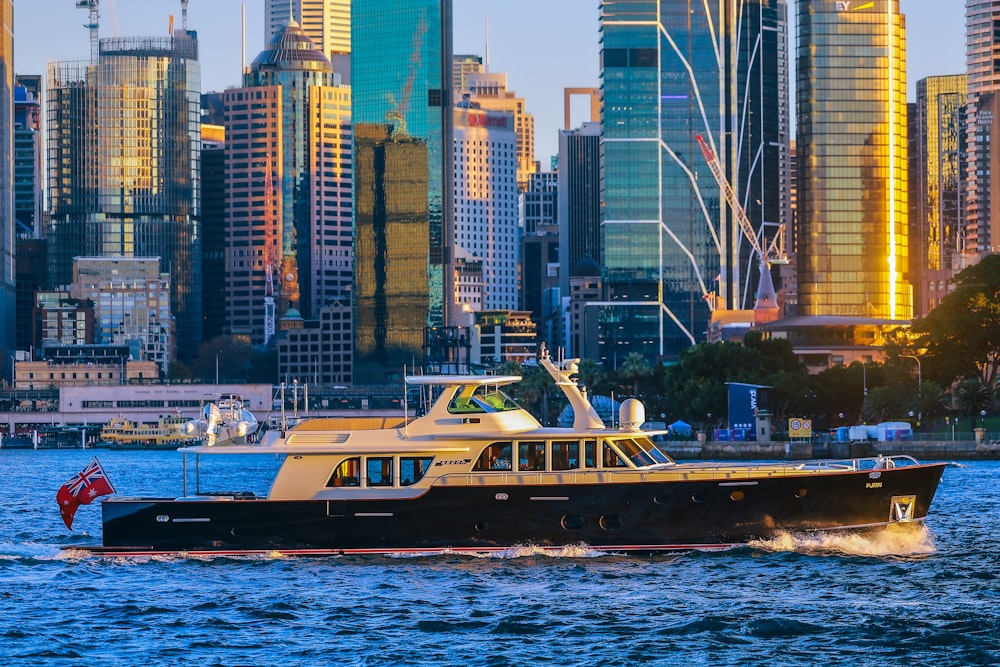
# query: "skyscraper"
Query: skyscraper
982,219
671,250
852,185
7,298
936,244
27,164
489,90
403,232
289,175
123,151
326,22
486,200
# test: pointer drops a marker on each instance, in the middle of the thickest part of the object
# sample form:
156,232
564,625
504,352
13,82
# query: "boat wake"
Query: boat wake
897,541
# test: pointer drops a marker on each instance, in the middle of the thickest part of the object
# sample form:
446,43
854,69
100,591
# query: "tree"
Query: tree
634,368
962,335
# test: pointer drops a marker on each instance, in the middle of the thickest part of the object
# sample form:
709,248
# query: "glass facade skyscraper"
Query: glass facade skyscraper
123,150
7,297
671,250
936,243
403,234
852,159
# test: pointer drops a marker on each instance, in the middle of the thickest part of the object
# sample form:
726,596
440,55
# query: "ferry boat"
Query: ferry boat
477,473
166,433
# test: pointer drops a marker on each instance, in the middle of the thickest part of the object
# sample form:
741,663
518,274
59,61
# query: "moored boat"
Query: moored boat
166,433
477,473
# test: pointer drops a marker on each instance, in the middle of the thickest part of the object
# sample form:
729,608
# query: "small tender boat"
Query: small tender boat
225,421
166,433
477,473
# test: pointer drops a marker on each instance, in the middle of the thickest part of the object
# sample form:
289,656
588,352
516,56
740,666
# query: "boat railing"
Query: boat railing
700,471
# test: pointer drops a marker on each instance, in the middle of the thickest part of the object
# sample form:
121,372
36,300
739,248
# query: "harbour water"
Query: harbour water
923,597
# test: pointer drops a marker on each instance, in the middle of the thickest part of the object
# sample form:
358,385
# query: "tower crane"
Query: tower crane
775,252
92,24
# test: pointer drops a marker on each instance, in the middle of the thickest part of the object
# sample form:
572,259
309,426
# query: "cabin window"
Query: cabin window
565,455
611,458
413,468
497,456
348,473
589,453
531,455
378,471
642,451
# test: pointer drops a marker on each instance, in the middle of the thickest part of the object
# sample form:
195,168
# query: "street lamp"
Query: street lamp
920,383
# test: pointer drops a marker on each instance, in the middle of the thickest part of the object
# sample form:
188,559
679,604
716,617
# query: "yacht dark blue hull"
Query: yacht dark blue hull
644,516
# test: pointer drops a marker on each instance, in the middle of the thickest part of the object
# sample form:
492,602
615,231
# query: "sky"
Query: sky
542,45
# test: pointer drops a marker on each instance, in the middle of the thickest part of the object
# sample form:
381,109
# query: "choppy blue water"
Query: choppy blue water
925,598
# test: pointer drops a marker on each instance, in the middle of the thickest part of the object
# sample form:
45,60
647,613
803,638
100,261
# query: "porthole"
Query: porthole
737,495
801,493
481,526
572,522
657,500
610,522
695,498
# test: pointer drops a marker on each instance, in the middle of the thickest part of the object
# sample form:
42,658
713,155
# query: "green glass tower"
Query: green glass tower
401,107
670,249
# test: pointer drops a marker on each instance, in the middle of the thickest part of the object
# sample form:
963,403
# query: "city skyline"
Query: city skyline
570,54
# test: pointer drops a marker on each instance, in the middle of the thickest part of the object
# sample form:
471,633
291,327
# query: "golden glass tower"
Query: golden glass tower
852,160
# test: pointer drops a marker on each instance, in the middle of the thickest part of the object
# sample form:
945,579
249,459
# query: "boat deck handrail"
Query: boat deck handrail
696,471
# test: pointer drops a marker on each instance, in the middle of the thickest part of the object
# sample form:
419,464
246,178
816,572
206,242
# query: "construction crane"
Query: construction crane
92,24
774,254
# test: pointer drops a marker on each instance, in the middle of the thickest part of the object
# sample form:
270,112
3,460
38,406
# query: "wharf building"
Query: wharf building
937,173
671,251
852,162
401,58
123,150
486,199
7,268
289,172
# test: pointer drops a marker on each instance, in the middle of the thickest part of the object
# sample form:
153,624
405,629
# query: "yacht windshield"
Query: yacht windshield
641,451
480,399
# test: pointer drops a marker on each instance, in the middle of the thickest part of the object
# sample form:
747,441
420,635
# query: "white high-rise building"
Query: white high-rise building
486,200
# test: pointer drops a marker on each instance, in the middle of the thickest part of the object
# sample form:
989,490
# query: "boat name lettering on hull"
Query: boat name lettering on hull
873,485
454,463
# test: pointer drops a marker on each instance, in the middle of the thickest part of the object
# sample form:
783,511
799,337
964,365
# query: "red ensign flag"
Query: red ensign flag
81,490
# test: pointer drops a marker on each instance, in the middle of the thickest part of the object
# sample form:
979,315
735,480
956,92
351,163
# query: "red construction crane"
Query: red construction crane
774,254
